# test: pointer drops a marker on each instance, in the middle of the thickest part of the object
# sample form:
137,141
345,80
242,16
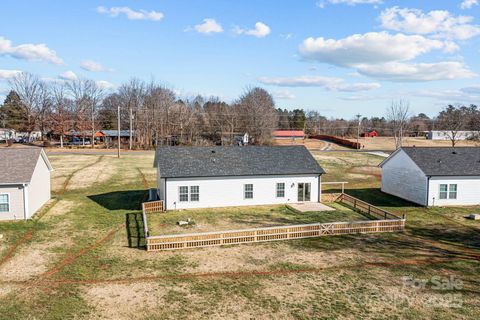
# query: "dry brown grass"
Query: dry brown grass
388,143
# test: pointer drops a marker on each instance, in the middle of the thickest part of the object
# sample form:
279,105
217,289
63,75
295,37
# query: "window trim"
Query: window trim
245,191
440,192
180,193
8,202
197,193
450,191
277,189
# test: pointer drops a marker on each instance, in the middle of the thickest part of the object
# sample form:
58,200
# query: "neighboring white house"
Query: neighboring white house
433,176
204,177
24,182
6,134
447,135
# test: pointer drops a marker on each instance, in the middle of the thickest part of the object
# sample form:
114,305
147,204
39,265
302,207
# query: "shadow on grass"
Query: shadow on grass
135,231
375,197
120,200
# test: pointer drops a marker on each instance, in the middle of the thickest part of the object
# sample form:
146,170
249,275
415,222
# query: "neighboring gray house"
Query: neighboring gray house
433,176
24,182
204,177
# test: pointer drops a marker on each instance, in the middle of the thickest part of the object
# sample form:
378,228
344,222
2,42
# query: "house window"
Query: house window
4,203
452,191
280,190
248,191
194,193
183,192
443,191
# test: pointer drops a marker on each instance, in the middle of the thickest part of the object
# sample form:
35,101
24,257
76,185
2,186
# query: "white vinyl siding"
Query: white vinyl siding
229,191
248,191
281,190
4,203
401,177
461,191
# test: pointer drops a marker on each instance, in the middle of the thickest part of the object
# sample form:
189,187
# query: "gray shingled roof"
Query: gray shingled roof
234,161
114,133
463,161
18,164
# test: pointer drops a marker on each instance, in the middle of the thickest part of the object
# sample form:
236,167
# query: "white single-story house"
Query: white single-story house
433,176
205,177
447,135
24,182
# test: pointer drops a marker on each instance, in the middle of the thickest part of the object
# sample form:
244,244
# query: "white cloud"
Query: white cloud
302,81
102,84
369,48
283,95
467,4
416,72
439,23
131,14
68,76
28,51
261,30
361,86
208,26
329,83
8,74
93,66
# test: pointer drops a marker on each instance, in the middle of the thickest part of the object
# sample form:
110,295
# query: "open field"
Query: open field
388,143
81,257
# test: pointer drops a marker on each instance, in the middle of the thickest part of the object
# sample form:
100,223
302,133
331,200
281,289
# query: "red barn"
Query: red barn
370,134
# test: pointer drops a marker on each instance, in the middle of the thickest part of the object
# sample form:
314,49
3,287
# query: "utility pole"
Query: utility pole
131,135
118,131
358,130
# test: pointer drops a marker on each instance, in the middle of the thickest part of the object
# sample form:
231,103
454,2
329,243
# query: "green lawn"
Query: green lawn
205,220
85,258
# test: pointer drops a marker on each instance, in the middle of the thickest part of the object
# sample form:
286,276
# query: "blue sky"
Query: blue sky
339,57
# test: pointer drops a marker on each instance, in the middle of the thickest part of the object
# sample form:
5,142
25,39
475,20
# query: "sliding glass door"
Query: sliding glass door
304,190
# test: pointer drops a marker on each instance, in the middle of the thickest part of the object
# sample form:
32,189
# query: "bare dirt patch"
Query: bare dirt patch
124,301
96,173
27,263
62,207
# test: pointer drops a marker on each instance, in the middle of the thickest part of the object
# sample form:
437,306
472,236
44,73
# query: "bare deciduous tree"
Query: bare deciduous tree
453,119
398,115
87,96
36,100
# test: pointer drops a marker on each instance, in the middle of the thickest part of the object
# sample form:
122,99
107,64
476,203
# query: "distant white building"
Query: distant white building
447,135
7,134
241,140
205,177
433,176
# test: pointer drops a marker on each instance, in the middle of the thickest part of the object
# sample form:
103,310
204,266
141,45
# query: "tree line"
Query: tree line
156,116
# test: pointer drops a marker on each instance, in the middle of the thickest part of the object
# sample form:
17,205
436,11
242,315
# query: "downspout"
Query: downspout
319,188
165,195
25,201
428,191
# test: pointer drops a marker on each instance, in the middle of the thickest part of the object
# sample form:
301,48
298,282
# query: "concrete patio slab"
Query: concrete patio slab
311,206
